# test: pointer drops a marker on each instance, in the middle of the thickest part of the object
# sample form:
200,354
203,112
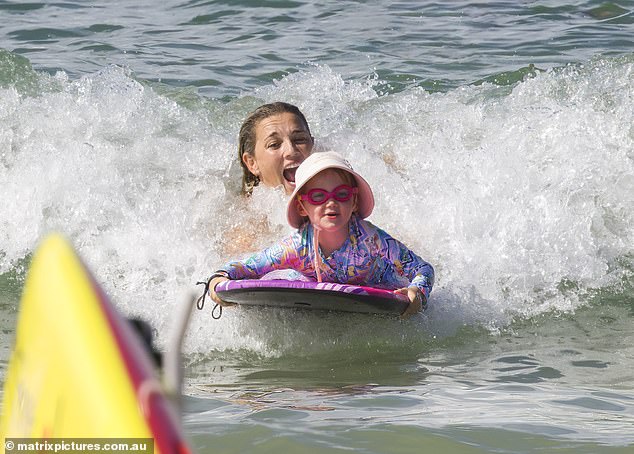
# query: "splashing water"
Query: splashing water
521,196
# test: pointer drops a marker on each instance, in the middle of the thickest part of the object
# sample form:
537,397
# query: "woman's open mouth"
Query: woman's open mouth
289,174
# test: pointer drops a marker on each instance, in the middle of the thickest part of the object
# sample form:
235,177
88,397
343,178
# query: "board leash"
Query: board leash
216,312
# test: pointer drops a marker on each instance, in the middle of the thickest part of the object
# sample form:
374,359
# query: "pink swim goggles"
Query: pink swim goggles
318,196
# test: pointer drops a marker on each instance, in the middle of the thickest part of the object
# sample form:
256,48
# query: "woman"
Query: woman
274,140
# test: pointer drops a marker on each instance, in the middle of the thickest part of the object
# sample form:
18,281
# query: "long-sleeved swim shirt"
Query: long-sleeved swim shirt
369,256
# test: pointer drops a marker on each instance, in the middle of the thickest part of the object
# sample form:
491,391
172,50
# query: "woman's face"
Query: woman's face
282,142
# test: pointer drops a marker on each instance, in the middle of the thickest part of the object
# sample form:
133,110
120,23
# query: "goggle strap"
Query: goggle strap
316,255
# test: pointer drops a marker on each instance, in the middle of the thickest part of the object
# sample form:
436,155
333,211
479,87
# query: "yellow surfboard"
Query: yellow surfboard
78,369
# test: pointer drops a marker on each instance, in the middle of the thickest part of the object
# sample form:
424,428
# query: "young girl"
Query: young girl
334,242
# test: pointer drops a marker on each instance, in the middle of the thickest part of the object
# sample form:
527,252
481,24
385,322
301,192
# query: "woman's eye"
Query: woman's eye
301,139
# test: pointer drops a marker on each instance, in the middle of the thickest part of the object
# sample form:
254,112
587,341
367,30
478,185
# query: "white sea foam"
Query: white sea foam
521,198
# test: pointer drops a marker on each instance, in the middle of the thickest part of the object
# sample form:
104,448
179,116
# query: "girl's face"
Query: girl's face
281,145
333,215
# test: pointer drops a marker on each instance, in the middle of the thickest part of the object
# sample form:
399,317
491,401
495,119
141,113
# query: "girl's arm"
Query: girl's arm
421,275
418,271
409,264
283,255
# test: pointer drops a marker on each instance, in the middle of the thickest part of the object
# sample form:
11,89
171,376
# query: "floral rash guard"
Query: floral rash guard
369,256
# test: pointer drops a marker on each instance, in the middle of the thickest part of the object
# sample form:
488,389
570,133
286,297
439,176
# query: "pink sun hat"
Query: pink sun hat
314,164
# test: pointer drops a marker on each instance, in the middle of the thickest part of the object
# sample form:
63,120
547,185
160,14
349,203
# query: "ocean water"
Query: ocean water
499,140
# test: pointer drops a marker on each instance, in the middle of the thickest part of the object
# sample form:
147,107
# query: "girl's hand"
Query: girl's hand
416,300
212,291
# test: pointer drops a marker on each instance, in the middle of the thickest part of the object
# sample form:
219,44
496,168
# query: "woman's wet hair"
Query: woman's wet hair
246,138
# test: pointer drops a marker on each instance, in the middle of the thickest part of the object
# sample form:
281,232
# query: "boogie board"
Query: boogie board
312,295
78,369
